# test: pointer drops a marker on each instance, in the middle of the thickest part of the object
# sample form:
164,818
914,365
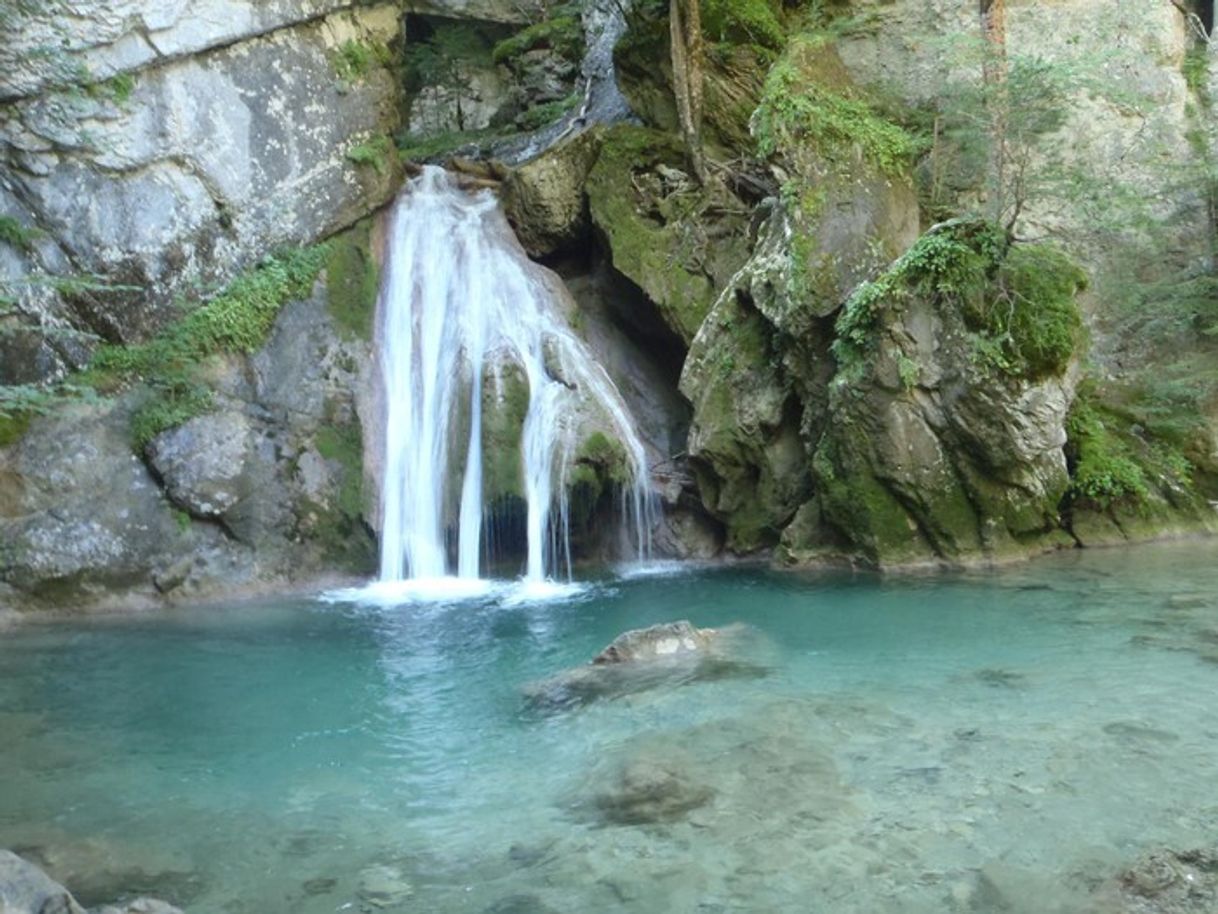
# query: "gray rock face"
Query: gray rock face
105,38
759,367
201,463
266,488
194,167
25,889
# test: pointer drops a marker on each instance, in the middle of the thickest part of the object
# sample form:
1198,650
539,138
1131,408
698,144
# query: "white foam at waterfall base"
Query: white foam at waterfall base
460,297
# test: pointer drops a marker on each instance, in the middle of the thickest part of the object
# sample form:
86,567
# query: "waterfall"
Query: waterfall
459,301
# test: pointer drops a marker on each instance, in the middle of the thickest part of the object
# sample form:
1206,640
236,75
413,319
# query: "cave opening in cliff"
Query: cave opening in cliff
1205,11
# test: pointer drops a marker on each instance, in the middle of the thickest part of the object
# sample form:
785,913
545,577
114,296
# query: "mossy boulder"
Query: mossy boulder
1127,484
944,436
544,199
680,243
744,441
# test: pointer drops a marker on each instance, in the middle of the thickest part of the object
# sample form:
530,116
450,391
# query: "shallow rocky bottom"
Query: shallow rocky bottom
1041,739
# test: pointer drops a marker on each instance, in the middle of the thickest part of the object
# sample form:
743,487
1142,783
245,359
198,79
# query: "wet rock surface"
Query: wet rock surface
25,889
661,656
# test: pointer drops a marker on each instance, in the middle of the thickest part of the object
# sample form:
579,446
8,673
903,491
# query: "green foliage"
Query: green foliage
607,455
753,22
808,99
1017,299
354,60
171,403
446,59
440,145
19,403
1104,470
236,320
1034,316
547,112
997,148
116,89
15,234
952,261
1195,68
908,371
377,152
337,527
562,34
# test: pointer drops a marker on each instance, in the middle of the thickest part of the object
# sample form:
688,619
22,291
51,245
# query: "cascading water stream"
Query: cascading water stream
460,300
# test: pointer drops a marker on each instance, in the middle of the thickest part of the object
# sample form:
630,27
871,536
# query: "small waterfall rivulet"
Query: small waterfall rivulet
459,301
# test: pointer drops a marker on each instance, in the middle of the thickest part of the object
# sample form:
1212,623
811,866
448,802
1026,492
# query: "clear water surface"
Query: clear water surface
1053,720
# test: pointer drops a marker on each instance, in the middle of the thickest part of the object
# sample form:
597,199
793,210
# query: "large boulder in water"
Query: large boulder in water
672,653
668,639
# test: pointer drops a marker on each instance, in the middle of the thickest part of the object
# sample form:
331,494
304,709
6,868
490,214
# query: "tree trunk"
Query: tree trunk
994,72
685,33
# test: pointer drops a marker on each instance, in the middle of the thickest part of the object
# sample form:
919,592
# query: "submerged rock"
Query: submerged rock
1165,882
651,790
672,653
25,889
383,886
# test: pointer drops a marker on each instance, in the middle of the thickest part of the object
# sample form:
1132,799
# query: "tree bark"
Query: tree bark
685,33
994,72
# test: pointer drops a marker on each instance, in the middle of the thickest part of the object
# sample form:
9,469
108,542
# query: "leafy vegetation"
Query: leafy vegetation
808,99
563,34
439,145
173,401
15,234
377,152
1033,317
547,112
354,60
116,89
352,280
1104,470
237,320
1018,300
755,22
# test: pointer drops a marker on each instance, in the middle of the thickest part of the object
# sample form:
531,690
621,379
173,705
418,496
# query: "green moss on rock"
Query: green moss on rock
809,99
352,281
561,34
658,225
336,528
1018,299
505,403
